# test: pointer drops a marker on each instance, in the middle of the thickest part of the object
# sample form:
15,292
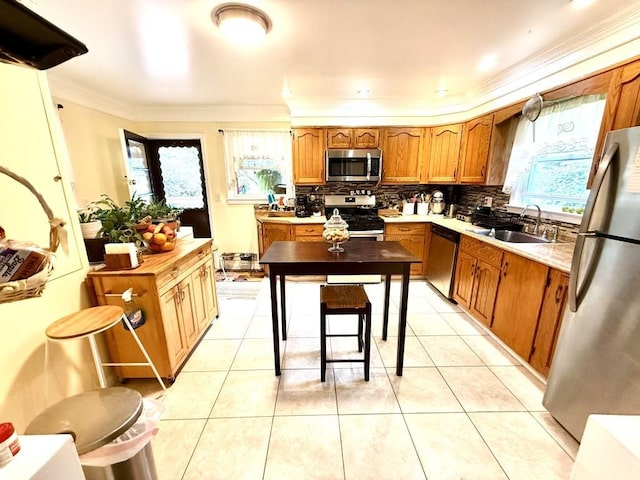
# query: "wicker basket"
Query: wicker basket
33,286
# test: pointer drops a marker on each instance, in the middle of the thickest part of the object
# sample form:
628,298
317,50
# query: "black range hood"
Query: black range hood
28,39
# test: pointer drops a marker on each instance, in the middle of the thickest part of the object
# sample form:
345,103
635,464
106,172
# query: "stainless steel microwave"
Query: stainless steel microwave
357,165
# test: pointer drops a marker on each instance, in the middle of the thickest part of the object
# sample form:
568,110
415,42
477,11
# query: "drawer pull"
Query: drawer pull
201,254
175,272
505,268
559,293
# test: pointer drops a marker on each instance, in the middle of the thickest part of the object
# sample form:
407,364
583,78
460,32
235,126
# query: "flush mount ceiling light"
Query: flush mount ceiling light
243,24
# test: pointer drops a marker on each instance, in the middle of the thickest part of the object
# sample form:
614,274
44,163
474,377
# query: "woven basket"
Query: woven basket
34,285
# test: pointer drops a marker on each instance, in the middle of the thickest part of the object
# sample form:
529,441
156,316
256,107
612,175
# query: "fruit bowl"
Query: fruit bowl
159,238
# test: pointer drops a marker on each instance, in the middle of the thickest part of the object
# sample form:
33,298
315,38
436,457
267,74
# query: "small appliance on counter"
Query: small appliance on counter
437,203
302,207
465,214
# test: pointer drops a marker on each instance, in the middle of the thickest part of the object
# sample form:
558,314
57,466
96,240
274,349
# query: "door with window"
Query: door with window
169,170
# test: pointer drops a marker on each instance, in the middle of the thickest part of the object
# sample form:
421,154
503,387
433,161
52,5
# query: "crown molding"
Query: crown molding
613,40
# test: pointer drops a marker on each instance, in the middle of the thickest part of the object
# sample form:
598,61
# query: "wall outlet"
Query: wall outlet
488,201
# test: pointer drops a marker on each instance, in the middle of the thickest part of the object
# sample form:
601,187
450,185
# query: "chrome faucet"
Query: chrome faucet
535,229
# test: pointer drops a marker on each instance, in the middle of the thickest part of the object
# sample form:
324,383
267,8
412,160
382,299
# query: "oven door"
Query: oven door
360,236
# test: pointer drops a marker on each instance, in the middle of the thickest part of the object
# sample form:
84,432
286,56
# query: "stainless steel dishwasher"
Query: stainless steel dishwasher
441,263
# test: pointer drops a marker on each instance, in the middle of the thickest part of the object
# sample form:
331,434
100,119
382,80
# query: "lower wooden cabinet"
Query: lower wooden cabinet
177,293
520,294
550,320
414,237
477,278
308,232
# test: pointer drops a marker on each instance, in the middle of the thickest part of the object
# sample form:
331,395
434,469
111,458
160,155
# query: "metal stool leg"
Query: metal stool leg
95,353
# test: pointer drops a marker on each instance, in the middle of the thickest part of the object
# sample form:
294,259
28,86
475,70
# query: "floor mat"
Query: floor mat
243,285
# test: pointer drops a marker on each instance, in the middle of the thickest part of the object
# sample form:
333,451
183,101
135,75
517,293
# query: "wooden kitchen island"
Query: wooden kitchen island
313,258
176,290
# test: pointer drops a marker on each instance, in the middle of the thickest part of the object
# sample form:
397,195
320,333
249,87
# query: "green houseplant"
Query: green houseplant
160,211
118,223
90,224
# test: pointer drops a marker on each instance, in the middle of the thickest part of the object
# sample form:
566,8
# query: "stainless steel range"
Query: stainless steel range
360,212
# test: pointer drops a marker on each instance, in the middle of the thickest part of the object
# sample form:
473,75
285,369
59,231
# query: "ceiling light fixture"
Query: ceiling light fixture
581,3
487,62
242,24
442,92
364,92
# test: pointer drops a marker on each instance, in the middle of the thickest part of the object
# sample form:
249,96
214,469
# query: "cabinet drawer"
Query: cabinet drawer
308,230
487,253
405,229
183,265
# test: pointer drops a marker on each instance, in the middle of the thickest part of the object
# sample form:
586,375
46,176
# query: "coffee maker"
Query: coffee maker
302,207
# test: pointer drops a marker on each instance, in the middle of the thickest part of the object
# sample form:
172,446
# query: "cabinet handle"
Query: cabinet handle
201,254
505,267
182,295
455,170
403,229
174,272
482,171
473,268
204,272
559,293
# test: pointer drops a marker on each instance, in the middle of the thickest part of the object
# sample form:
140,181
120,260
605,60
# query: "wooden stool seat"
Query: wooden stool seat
345,300
88,323
85,322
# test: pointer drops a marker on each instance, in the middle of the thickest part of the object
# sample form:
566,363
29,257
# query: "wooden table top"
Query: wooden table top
354,253
85,322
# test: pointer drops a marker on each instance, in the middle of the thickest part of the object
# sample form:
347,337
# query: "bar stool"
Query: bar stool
345,300
88,323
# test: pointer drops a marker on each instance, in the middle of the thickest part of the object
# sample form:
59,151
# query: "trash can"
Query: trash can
112,434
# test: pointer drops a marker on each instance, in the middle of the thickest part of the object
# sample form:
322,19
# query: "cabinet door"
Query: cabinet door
308,156
485,289
463,280
549,322
622,109
188,311
475,150
520,293
402,149
365,137
204,287
339,138
445,152
177,346
274,232
413,243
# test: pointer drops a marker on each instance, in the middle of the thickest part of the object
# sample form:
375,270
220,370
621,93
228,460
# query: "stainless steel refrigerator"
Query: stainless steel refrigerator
596,364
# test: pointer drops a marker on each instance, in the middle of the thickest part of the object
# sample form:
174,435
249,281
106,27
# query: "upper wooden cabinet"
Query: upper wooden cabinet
308,156
474,154
402,154
622,109
444,153
353,137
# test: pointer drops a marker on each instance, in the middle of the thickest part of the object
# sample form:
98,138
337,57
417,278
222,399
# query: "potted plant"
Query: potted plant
160,212
90,224
118,223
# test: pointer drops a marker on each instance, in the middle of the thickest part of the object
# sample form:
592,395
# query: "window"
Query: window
258,164
551,157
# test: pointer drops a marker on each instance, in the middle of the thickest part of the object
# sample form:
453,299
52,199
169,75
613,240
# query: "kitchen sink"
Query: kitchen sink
512,236
518,237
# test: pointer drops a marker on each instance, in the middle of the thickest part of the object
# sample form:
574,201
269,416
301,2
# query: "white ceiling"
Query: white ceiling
168,56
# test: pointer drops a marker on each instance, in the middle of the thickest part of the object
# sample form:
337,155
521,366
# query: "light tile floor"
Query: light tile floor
463,409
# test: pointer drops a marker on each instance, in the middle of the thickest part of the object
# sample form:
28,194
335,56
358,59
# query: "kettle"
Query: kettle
437,203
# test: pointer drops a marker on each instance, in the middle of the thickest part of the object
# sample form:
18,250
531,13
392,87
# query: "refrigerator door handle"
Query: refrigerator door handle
603,168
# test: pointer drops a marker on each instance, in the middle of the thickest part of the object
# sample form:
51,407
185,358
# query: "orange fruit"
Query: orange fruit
159,238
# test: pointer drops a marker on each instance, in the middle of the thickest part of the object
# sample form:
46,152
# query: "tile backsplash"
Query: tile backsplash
465,195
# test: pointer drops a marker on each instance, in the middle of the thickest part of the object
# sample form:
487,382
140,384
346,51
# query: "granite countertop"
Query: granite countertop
556,255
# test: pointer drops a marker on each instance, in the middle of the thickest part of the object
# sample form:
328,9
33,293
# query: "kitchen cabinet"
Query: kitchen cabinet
274,232
444,153
308,233
414,237
518,302
402,150
622,109
353,137
308,156
477,278
474,152
549,321
176,292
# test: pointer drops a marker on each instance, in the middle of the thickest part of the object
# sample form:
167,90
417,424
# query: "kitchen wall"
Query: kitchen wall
96,157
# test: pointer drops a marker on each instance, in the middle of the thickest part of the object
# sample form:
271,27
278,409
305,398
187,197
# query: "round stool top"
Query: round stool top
85,322
93,418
